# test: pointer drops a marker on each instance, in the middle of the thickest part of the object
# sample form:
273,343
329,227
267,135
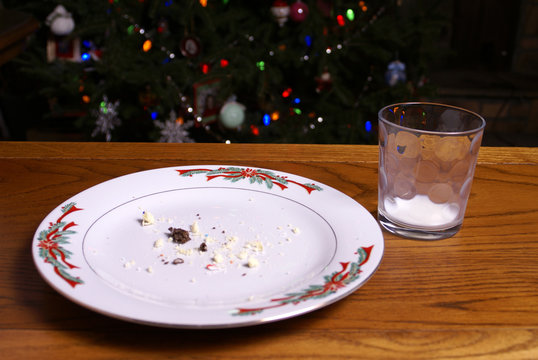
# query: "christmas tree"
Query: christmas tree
229,70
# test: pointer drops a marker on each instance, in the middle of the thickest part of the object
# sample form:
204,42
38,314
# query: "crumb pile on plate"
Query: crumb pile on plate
213,248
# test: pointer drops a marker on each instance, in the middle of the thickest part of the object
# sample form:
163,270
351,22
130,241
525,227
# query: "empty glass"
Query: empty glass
427,157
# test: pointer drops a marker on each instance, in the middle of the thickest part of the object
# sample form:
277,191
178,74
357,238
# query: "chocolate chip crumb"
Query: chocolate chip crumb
178,261
179,235
203,247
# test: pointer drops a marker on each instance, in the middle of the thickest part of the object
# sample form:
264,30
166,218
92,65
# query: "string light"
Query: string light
275,116
286,93
205,68
203,3
85,99
308,40
261,65
266,119
254,130
340,20
147,45
368,126
85,56
102,105
224,63
154,115
297,100
350,14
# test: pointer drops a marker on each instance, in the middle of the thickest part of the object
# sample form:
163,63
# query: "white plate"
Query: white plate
308,246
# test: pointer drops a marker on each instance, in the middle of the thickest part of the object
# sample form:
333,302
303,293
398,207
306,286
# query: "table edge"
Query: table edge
231,152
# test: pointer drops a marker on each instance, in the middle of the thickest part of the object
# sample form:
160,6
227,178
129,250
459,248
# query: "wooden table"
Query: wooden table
474,295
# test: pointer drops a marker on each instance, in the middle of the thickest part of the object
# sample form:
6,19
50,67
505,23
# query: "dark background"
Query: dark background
491,67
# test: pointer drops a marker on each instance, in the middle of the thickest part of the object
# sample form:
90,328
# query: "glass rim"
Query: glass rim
432,132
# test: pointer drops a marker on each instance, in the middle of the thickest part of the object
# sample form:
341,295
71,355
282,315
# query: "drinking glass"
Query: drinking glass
427,157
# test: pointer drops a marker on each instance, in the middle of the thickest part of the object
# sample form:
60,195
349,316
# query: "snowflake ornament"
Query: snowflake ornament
107,118
174,131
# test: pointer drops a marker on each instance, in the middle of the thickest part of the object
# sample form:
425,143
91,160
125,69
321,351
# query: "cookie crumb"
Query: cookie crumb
195,229
158,244
147,218
253,262
255,246
179,235
218,258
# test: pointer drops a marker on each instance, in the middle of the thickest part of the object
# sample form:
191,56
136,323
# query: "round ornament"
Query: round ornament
190,47
232,115
281,11
60,21
298,11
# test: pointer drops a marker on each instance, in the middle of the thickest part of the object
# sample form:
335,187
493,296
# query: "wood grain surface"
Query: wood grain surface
473,296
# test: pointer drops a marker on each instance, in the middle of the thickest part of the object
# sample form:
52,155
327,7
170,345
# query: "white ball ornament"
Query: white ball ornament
232,115
60,21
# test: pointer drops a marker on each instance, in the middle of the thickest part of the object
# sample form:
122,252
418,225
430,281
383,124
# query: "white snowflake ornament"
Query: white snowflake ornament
107,118
174,131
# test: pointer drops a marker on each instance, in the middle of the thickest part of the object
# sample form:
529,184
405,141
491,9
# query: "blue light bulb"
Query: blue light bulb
266,119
